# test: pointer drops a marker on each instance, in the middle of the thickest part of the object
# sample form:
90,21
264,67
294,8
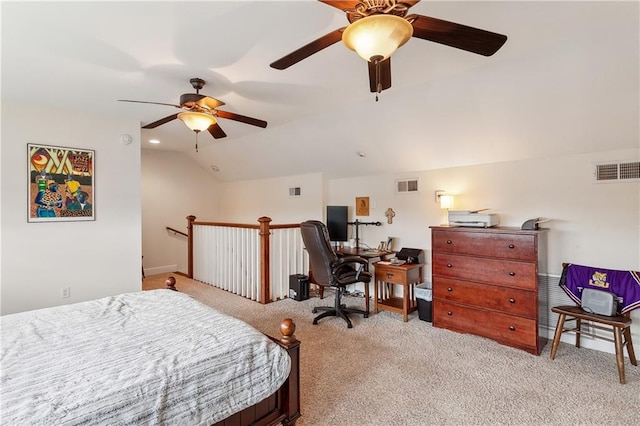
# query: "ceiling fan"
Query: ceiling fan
377,28
200,113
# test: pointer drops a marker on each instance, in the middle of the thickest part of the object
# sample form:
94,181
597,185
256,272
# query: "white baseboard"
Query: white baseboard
160,270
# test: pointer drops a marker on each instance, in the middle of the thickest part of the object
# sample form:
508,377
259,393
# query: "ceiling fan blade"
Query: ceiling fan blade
216,131
209,102
385,75
241,118
161,121
457,35
308,49
147,102
351,4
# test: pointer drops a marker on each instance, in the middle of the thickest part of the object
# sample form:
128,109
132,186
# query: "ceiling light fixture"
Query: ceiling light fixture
376,37
154,141
197,121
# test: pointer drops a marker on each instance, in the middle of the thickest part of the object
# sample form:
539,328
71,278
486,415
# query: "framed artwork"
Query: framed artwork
362,206
61,184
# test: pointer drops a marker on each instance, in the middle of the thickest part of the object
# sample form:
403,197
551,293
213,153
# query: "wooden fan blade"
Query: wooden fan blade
161,121
216,131
350,4
241,118
385,75
308,49
147,102
457,35
209,102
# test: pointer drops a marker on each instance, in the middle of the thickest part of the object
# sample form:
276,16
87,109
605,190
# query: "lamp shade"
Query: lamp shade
377,35
197,121
446,201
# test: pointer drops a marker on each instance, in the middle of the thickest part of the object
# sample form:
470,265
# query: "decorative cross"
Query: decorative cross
389,214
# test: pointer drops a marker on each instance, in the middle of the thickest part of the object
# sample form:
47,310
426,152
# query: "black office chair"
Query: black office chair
329,270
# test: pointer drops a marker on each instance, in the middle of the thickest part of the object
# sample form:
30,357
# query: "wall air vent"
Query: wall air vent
407,185
295,191
617,172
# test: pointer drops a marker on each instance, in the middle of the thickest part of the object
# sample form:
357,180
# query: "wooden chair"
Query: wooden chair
619,325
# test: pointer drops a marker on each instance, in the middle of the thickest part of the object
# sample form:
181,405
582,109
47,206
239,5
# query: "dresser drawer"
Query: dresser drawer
492,271
506,329
508,300
507,246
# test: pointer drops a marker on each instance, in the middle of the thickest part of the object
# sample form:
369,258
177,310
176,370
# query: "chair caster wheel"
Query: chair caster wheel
349,326
366,315
314,311
315,322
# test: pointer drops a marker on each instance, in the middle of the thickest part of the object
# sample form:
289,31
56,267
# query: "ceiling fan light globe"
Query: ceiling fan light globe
377,35
197,121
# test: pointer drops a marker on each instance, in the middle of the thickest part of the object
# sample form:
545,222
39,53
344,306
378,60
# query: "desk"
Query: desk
368,254
407,275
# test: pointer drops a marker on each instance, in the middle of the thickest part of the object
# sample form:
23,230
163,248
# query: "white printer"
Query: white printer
474,219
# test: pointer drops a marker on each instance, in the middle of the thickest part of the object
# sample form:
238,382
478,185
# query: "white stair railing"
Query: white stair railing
253,261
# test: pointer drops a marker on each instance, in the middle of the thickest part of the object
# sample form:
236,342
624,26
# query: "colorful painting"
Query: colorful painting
61,186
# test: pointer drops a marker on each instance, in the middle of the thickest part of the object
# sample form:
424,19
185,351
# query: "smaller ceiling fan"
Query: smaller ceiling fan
378,27
200,113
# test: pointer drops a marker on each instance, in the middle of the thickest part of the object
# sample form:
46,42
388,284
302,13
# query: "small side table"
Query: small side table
386,276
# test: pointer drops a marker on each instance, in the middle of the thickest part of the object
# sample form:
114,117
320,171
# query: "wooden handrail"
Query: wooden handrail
175,231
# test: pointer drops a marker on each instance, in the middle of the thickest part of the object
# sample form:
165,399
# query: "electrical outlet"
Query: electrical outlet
66,292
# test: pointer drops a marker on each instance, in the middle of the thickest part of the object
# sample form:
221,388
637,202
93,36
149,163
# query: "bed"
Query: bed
155,357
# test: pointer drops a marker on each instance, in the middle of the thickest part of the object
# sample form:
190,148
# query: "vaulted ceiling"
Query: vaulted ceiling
565,82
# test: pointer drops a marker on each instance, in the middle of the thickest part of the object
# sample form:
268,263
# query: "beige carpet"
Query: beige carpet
386,372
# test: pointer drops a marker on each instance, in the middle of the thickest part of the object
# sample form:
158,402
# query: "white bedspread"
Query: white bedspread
146,358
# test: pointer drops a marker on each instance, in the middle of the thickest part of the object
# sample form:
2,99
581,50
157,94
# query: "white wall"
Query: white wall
93,258
590,223
246,201
173,187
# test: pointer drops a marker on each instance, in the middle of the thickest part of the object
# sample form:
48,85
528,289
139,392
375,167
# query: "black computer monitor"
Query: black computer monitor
337,222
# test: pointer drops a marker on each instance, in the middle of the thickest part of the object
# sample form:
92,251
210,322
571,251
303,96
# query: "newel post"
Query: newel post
265,284
190,220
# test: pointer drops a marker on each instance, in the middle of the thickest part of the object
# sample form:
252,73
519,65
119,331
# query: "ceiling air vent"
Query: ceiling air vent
618,171
408,185
295,191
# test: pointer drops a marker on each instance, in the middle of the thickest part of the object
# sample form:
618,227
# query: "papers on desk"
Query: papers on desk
394,262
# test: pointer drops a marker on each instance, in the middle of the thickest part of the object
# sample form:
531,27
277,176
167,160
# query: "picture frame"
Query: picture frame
61,184
362,206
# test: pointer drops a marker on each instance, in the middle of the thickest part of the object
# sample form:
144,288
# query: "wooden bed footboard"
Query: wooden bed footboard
283,406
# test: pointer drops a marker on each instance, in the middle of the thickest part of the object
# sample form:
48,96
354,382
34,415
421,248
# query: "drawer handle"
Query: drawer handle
449,289
449,265
389,275
448,241
511,246
449,313
512,328
512,300
512,274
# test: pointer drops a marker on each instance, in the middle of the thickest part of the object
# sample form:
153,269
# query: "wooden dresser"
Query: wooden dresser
485,282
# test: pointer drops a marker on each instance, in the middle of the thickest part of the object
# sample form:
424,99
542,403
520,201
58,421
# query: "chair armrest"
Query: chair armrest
342,261
347,261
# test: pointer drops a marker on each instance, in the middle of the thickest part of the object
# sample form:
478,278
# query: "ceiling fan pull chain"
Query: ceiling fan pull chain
197,141
376,61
